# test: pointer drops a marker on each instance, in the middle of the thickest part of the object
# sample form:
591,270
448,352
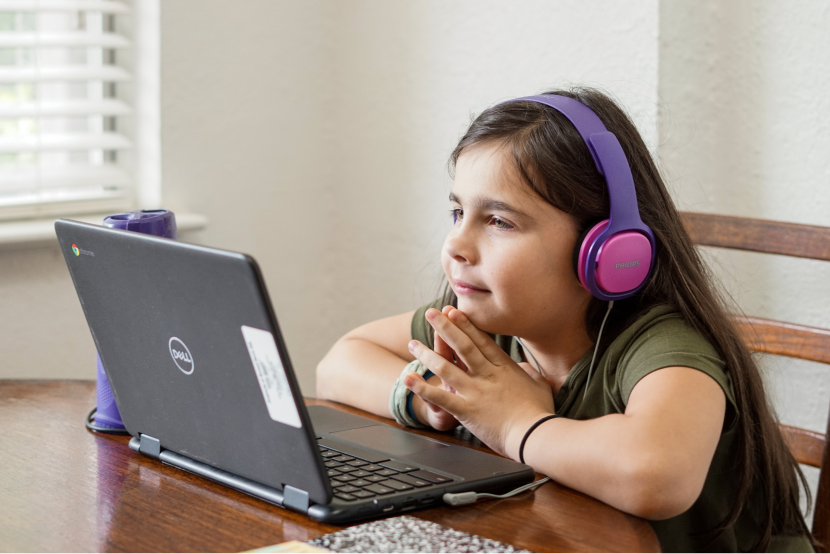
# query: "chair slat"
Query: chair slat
807,446
758,235
785,339
775,337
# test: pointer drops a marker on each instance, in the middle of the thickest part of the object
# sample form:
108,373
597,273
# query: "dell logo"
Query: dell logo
181,355
635,263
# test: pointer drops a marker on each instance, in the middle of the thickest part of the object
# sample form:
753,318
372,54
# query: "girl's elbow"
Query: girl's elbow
325,373
655,505
661,490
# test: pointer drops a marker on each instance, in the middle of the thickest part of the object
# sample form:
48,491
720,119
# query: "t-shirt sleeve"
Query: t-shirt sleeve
669,343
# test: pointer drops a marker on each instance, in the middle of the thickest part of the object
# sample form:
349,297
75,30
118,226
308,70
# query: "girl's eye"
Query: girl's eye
501,224
456,213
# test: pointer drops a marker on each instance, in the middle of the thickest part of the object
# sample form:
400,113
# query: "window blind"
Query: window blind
65,109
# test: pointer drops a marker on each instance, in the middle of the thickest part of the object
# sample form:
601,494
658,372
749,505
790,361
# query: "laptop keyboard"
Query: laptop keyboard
354,478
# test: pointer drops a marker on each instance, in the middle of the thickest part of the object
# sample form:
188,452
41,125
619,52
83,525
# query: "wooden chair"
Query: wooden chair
775,337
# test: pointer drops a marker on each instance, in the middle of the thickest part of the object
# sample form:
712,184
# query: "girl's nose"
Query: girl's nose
459,245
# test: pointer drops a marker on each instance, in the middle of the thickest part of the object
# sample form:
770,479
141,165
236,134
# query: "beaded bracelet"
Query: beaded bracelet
529,431
400,403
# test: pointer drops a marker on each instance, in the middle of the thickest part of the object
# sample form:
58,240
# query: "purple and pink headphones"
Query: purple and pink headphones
617,255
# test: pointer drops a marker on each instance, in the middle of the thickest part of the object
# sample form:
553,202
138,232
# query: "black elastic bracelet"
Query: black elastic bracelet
529,431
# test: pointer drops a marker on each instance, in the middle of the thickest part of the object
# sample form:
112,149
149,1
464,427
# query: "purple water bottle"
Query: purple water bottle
161,223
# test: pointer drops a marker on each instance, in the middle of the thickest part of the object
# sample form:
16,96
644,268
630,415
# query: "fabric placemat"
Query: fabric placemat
407,534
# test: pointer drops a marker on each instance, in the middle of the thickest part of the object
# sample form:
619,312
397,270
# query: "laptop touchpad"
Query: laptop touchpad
388,439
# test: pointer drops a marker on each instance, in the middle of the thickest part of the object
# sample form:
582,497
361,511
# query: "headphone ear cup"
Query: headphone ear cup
624,263
581,250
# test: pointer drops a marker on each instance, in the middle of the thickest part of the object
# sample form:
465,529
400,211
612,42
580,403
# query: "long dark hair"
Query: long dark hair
555,162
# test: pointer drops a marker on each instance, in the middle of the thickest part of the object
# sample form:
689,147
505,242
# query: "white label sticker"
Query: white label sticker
271,376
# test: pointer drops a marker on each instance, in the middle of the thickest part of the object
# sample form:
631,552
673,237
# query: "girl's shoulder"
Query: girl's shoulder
657,339
660,338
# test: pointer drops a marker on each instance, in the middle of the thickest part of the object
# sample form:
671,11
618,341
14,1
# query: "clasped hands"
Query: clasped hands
482,388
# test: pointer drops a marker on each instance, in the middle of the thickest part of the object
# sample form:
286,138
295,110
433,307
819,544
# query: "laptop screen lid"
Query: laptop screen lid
193,352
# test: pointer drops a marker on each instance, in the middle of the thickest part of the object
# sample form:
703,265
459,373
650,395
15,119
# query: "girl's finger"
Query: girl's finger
431,394
445,370
482,341
442,348
457,339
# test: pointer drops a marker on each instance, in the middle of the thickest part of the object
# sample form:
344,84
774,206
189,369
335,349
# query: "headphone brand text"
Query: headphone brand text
635,263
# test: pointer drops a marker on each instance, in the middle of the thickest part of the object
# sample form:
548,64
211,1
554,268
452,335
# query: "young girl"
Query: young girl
650,403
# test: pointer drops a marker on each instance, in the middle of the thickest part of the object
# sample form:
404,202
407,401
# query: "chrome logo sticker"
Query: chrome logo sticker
78,251
181,355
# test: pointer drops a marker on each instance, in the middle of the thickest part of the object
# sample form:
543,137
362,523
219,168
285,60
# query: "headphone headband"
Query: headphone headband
612,164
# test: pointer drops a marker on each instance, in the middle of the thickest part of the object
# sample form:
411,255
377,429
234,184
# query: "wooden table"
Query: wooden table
64,488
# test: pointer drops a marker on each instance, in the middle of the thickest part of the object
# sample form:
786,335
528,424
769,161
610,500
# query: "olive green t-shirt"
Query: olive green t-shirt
660,338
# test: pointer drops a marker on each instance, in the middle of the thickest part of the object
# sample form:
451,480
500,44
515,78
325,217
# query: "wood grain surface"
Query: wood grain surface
758,235
66,489
785,339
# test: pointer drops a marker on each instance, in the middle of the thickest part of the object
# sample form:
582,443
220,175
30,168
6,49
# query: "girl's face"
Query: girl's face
509,254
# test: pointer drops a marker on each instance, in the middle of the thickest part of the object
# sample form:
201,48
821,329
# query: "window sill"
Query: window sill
41,232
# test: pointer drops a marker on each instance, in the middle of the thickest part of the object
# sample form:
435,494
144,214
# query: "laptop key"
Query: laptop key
397,485
344,478
364,494
357,463
329,453
347,488
332,464
376,478
333,472
371,467
360,473
354,451
343,458
409,479
399,466
379,489
347,469
345,496
360,483
386,472
431,477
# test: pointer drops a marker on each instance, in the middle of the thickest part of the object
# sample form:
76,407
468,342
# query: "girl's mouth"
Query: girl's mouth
461,287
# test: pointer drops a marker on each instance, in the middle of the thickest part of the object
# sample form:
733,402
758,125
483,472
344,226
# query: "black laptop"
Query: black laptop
203,381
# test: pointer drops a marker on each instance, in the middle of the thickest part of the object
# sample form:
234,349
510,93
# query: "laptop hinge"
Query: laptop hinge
149,446
295,499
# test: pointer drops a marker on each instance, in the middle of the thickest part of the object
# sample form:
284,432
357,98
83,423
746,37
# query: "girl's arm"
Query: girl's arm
361,368
650,461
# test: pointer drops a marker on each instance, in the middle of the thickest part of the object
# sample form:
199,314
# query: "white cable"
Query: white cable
462,498
538,367
596,347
